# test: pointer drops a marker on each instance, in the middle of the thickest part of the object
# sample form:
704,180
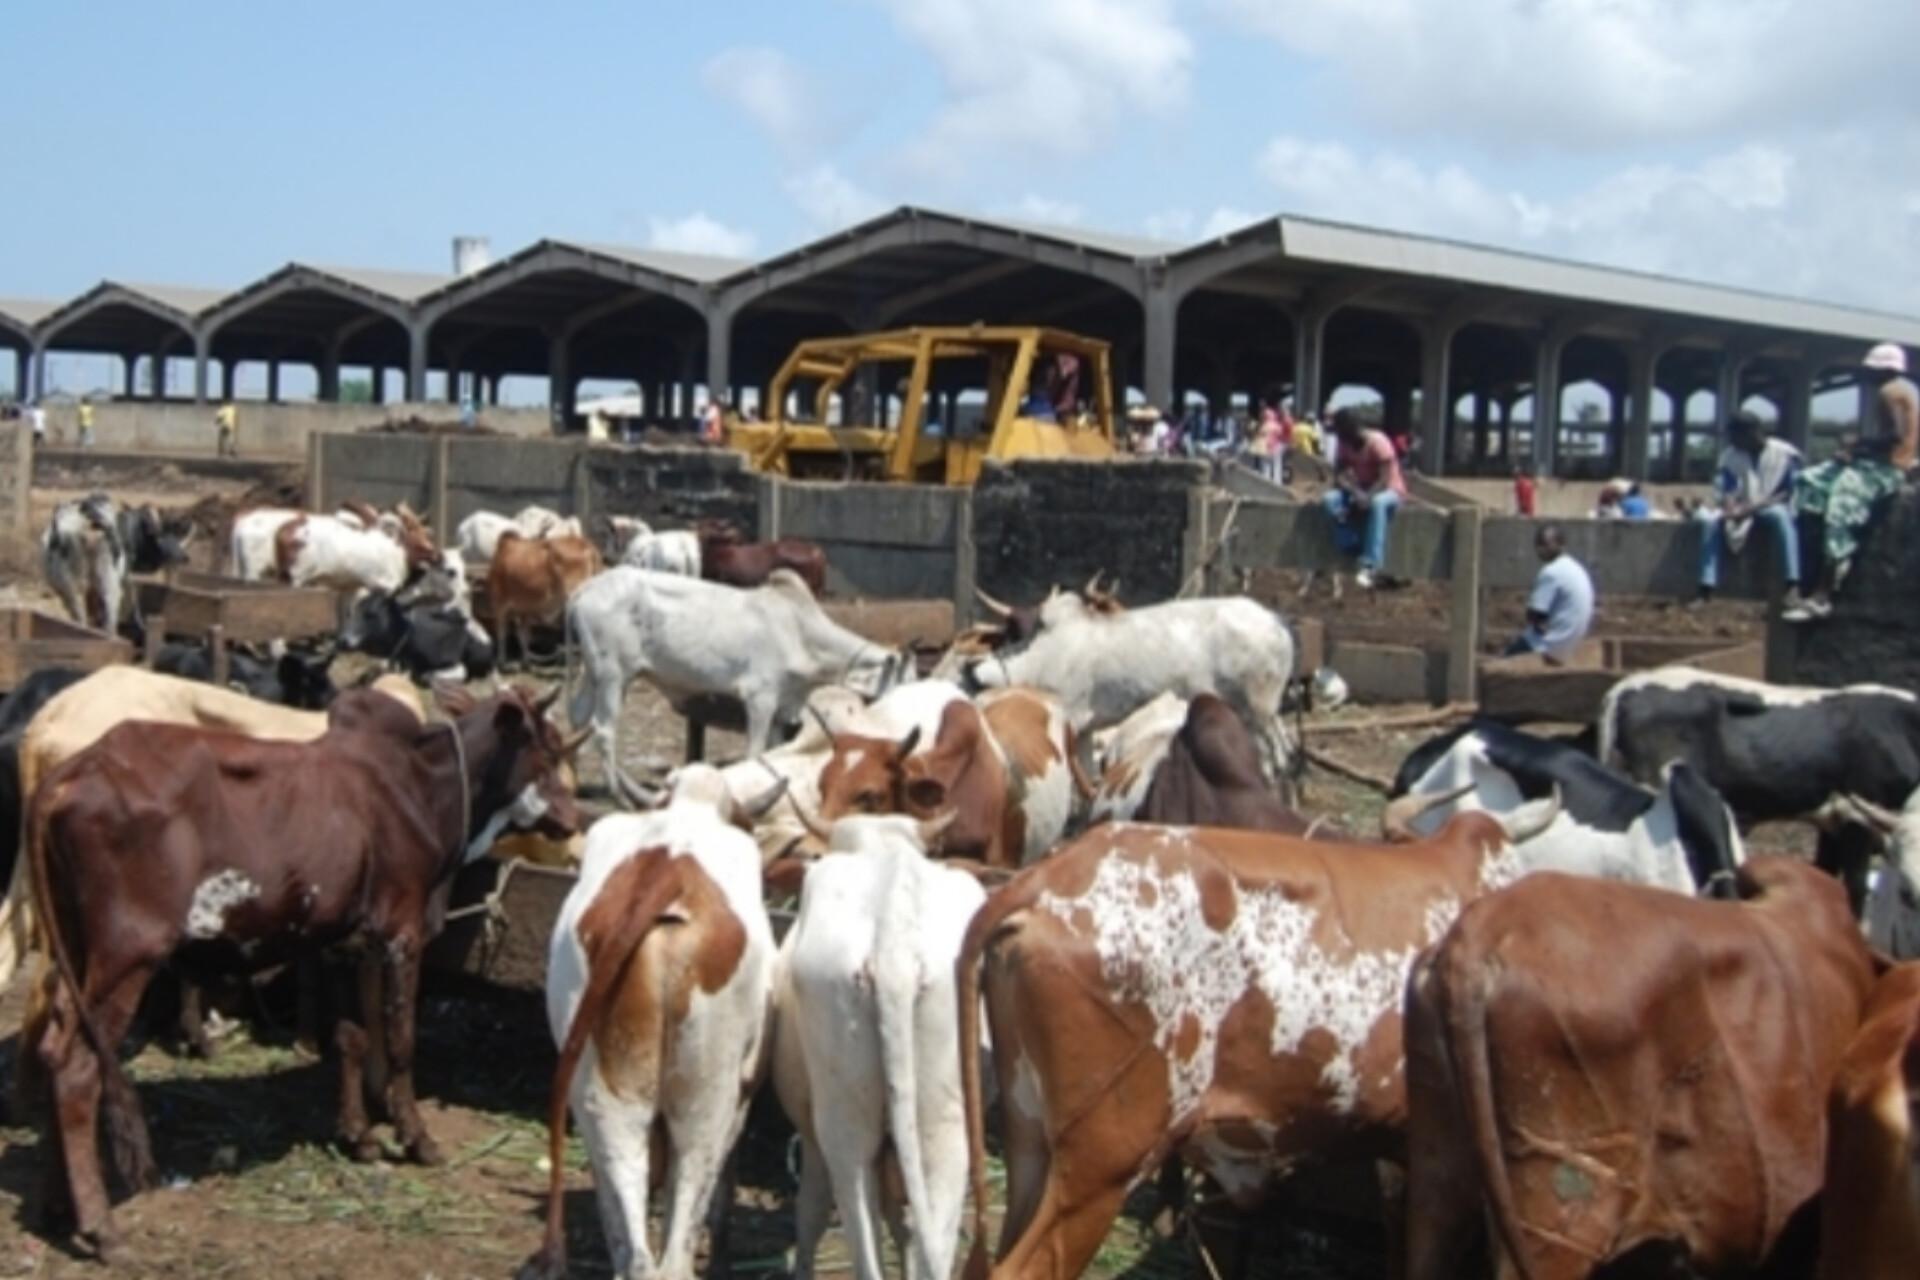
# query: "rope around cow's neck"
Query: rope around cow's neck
466,785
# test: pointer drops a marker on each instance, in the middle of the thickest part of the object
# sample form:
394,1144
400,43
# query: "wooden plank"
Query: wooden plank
1525,689
35,641
515,955
248,612
1748,660
1463,644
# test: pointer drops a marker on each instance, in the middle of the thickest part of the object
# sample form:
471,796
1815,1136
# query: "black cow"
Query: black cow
16,713
292,680
91,546
1639,828
422,639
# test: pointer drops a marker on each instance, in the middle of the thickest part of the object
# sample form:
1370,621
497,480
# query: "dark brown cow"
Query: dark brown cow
1211,777
1229,996
724,557
1870,1218
163,842
1596,1068
530,581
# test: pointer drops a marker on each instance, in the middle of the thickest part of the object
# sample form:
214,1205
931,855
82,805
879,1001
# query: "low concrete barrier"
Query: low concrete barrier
16,492
265,430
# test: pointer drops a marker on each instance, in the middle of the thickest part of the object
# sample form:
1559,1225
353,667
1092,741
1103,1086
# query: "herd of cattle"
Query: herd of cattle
1063,870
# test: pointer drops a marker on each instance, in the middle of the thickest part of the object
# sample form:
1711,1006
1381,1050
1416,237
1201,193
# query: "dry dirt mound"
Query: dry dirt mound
414,426
212,516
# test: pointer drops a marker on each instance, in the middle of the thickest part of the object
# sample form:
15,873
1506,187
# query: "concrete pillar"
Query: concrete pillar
1546,402
559,382
378,377
1796,415
1482,420
1677,396
1726,391
1436,397
416,363
226,379
202,357
1643,359
159,378
273,382
1162,309
328,373
1397,406
720,351
37,374
1309,354
493,388
22,374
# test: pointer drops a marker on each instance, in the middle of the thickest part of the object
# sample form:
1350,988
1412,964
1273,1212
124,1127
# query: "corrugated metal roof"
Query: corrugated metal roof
699,268
27,312
1113,243
401,286
187,299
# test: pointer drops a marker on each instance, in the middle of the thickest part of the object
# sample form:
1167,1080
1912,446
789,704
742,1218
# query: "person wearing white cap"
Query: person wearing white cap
1843,491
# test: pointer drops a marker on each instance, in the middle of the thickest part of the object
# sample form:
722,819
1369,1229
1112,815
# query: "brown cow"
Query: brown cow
1211,777
530,581
1597,1068
724,557
1229,996
1870,1219
164,842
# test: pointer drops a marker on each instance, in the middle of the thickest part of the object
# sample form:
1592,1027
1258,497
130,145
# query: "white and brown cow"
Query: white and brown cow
1232,997
659,980
865,1056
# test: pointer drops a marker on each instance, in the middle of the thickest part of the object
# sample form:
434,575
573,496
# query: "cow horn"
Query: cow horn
808,820
821,720
1093,583
546,700
932,829
755,809
1530,819
1396,821
1879,817
1000,607
570,747
907,744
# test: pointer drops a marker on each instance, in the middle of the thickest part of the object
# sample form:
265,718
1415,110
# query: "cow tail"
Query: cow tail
981,934
579,688
127,1138
608,959
896,984
1081,782
1464,1013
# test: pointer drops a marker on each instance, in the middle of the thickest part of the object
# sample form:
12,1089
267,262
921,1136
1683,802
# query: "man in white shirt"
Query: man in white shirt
1753,485
1560,607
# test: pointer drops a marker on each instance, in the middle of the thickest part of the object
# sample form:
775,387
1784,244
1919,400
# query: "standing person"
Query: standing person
226,421
1526,495
37,417
1754,484
1271,442
713,423
1306,436
85,415
1560,607
1843,491
1368,489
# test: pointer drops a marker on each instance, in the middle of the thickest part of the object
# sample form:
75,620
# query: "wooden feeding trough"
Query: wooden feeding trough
224,611
1526,690
31,640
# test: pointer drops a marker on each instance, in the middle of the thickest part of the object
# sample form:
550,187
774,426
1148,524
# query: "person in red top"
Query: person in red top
1524,495
1368,489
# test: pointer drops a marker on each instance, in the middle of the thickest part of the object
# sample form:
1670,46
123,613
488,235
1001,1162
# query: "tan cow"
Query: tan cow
531,580
1229,996
80,715
1870,1227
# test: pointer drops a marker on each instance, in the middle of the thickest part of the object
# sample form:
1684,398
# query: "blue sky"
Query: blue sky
1771,143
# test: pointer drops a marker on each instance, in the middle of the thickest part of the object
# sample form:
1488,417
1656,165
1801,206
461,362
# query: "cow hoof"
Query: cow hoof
363,1150
424,1150
104,1244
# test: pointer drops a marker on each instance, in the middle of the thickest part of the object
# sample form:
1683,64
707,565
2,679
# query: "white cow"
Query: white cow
668,551
866,1046
767,646
250,546
1105,665
663,1027
327,551
476,537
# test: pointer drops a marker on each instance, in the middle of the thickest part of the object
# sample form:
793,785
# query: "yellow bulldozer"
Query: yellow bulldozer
867,406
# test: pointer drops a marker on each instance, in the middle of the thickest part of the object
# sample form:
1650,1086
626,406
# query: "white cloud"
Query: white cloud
1815,218
1045,209
830,199
772,91
1583,72
1045,78
698,233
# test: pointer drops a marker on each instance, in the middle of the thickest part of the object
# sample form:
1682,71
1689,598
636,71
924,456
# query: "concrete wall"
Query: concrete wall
16,502
266,430
889,542
1874,633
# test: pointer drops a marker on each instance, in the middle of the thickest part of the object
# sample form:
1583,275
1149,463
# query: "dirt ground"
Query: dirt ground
254,1188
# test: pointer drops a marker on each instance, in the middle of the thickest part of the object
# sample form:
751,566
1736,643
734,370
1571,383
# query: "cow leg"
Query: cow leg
1443,1189
79,1083
193,1021
720,1219
811,1208
701,1137
760,718
373,1019
356,1130
943,1139
618,1133
1069,1225
306,1006
402,972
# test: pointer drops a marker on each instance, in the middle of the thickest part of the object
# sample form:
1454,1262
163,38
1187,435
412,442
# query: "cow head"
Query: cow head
869,776
526,780
376,624
417,540
1707,832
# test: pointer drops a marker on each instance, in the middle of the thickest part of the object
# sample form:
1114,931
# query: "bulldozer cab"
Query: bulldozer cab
932,404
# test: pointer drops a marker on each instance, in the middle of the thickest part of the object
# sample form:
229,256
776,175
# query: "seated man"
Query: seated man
1753,485
1368,489
1560,607
1843,491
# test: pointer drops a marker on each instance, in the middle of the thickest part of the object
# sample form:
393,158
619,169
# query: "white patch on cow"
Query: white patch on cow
1157,949
217,895
1500,867
1441,913
1025,1092
524,811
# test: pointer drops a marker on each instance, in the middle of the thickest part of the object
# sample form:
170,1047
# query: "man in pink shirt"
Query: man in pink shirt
1368,489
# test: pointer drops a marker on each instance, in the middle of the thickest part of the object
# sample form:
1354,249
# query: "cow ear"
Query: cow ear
907,744
926,795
